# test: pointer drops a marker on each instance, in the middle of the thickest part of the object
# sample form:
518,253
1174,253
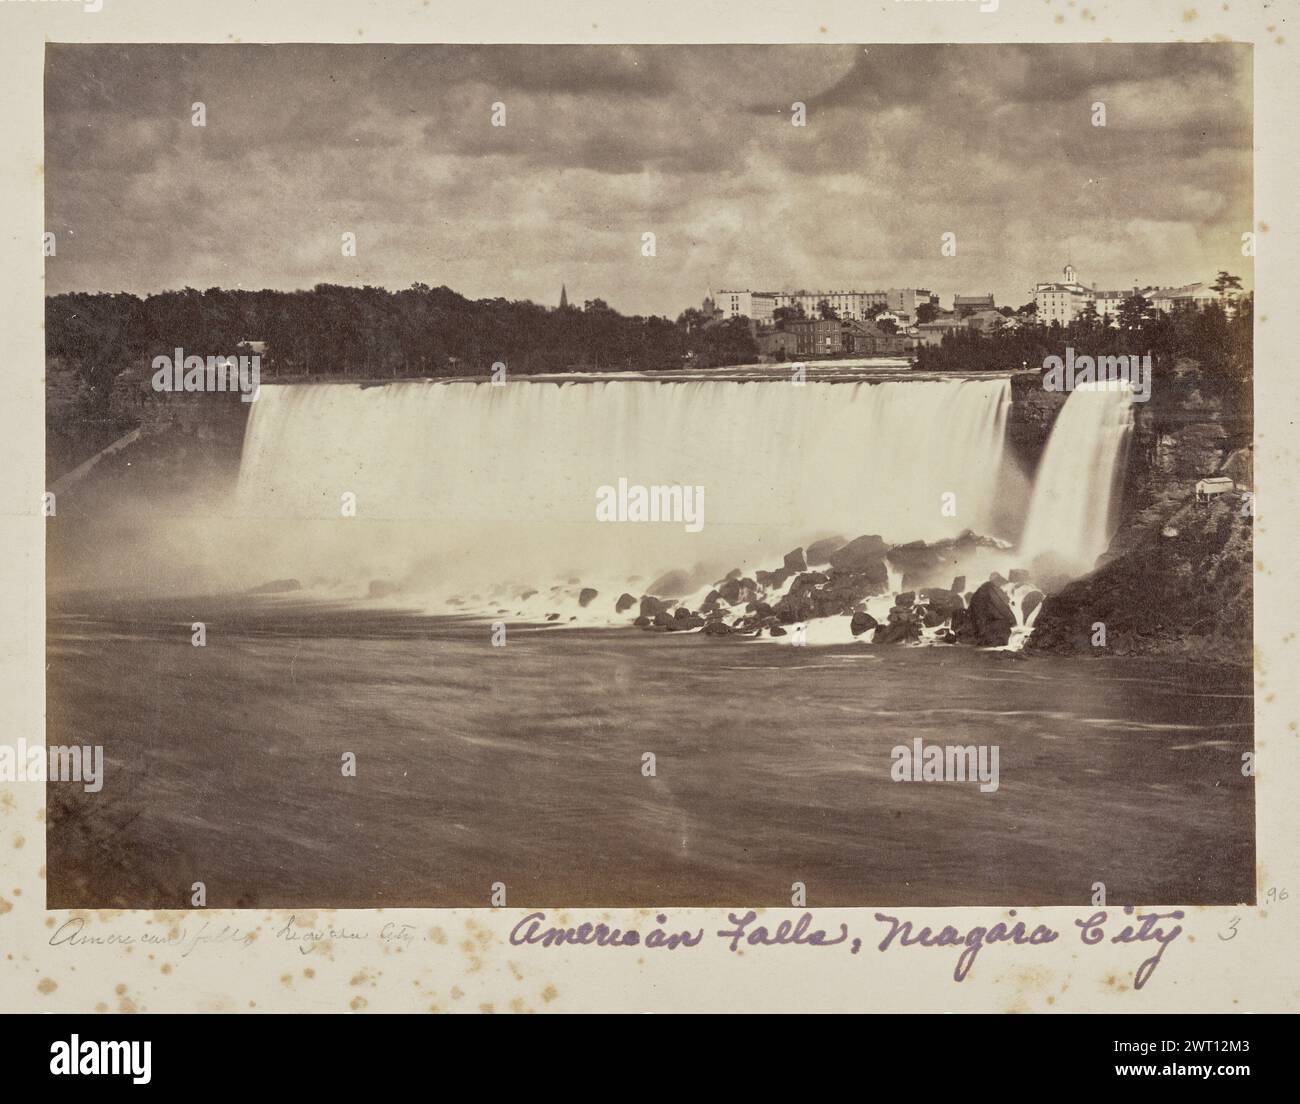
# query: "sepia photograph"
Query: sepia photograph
617,475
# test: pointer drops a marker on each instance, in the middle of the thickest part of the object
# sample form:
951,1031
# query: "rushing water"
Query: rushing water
1071,515
462,485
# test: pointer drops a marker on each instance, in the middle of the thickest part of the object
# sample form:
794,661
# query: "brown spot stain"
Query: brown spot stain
5,906
549,994
358,1003
47,986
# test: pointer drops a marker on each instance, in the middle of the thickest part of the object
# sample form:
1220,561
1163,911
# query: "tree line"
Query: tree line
1219,337
374,333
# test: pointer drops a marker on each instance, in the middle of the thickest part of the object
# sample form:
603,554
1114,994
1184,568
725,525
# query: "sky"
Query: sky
602,144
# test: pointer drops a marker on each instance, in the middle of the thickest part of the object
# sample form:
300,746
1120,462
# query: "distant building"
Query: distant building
933,333
970,304
564,297
1062,301
853,305
817,337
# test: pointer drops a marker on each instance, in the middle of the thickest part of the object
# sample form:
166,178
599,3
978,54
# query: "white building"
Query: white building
1062,301
847,304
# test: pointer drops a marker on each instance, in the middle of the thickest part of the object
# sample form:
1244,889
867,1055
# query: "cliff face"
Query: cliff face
1177,578
1032,415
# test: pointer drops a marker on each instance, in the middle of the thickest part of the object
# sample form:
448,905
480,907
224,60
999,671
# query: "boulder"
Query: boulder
1030,602
642,622
902,632
958,584
794,561
819,552
991,618
945,601
625,602
585,596
862,554
651,605
905,598
1018,575
776,630
862,622
717,628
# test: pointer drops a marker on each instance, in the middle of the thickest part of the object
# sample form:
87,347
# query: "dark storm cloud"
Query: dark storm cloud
394,144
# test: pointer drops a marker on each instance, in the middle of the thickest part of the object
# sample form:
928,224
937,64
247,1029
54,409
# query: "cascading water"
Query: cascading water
1070,520
463,485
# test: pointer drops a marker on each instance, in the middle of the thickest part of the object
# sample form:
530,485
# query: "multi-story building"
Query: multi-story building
755,305
972,304
815,337
854,305
1062,301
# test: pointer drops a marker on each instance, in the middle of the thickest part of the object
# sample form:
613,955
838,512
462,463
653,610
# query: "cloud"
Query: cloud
695,143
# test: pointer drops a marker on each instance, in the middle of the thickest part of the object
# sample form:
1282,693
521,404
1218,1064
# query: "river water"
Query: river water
523,764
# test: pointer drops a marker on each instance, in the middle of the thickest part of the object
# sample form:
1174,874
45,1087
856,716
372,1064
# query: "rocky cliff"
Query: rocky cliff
1176,579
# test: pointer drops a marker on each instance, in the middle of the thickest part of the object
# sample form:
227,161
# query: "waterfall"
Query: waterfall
1070,520
463,485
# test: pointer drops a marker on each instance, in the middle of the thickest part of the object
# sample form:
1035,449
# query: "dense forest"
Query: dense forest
373,333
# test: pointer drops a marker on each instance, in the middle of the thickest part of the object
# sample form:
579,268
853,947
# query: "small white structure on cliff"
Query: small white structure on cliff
1213,486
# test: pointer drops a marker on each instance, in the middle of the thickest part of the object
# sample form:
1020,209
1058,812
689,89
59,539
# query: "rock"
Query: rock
997,580
862,554
819,552
681,613
931,617
552,617
960,623
625,602
905,598
1018,575
776,630
585,596
672,585
945,601
862,622
382,588
642,622
283,586
900,633
958,584
772,580
991,618
690,621
717,628
663,619
651,605
795,562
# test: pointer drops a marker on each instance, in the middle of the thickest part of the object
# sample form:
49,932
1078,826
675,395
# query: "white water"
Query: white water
1071,516
468,486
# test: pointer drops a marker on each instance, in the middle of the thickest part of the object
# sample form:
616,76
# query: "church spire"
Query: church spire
564,297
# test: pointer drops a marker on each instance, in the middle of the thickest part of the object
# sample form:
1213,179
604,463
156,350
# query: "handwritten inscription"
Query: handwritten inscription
1153,931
